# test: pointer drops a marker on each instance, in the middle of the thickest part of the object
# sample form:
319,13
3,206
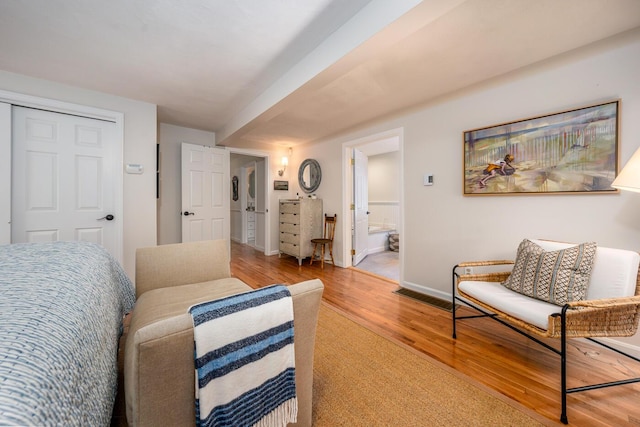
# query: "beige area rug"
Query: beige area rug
363,379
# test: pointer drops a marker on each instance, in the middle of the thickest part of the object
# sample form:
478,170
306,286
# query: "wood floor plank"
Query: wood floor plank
484,350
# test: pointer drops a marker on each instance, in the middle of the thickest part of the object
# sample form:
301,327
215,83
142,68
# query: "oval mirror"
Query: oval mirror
309,175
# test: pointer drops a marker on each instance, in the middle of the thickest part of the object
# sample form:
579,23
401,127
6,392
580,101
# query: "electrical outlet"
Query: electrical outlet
468,270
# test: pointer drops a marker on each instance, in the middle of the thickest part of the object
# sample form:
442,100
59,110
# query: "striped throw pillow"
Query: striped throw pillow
557,277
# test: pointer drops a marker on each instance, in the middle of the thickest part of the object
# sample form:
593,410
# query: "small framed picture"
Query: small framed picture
281,185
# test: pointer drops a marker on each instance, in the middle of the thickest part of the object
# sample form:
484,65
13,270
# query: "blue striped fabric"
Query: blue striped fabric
61,308
242,352
244,359
225,306
242,411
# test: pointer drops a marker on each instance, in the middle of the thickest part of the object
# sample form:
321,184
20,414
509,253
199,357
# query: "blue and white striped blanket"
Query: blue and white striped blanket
244,359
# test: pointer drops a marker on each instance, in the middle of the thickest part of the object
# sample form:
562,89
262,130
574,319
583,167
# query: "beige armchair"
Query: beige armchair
158,364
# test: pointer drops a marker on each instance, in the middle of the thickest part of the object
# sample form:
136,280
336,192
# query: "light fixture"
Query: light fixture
629,177
285,163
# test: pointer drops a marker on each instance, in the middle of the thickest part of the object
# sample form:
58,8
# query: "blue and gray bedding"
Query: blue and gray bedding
61,308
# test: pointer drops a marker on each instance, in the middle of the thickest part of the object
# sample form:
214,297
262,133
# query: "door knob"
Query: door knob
107,217
186,213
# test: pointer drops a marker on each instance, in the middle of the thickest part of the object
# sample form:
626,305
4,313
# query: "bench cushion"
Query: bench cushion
557,276
530,310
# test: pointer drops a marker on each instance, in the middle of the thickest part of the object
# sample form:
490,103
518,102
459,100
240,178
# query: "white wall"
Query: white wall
140,128
170,204
384,177
329,156
441,227
384,193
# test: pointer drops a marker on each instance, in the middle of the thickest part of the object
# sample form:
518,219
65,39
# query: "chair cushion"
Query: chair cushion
557,276
529,310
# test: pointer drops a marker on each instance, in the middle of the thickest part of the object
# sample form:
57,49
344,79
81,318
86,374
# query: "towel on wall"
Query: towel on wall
244,359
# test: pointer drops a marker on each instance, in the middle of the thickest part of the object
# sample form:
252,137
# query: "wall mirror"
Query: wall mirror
252,184
234,182
309,175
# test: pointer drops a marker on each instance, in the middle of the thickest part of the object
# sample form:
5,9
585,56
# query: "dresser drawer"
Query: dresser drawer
290,228
251,225
251,234
290,248
290,207
290,238
289,218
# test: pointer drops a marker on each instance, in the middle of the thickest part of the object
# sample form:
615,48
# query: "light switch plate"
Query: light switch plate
427,179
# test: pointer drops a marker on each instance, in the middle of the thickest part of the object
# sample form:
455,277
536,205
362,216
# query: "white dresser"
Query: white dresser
300,221
251,227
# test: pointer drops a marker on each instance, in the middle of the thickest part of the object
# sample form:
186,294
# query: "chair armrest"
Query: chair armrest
483,277
607,303
610,317
485,263
158,356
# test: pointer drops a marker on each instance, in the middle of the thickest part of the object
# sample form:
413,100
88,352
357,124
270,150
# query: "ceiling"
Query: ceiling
260,72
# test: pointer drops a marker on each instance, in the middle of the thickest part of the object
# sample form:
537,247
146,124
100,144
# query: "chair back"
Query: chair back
330,226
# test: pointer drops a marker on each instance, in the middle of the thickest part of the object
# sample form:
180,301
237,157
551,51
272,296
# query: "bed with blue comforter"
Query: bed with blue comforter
61,309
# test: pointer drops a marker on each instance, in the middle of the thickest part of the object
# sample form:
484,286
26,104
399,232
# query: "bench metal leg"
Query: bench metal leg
454,276
563,366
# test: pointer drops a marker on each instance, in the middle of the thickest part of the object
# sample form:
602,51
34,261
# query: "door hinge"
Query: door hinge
353,251
353,207
353,162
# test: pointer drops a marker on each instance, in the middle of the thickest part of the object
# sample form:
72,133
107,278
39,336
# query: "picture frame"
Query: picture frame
281,185
571,152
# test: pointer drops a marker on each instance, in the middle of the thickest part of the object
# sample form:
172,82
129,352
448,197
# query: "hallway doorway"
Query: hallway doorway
249,198
384,264
368,247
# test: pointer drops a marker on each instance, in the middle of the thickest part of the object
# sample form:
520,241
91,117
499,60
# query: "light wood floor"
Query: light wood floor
484,350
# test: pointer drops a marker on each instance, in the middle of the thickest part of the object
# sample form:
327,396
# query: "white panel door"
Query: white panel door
5,173
361,206
63,175
205,193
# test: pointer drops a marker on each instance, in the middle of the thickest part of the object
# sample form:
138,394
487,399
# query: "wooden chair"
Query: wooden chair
329,232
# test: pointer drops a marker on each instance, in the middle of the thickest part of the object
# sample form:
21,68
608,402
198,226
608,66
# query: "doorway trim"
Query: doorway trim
116,117
347,191
267,188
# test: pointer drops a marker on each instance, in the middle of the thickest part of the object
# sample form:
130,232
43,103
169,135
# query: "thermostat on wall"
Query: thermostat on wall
135,168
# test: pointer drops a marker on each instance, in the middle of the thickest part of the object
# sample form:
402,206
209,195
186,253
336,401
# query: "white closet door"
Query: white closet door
63,175
5,173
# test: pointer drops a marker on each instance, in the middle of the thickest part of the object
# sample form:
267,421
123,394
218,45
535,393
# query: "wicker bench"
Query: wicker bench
611,307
